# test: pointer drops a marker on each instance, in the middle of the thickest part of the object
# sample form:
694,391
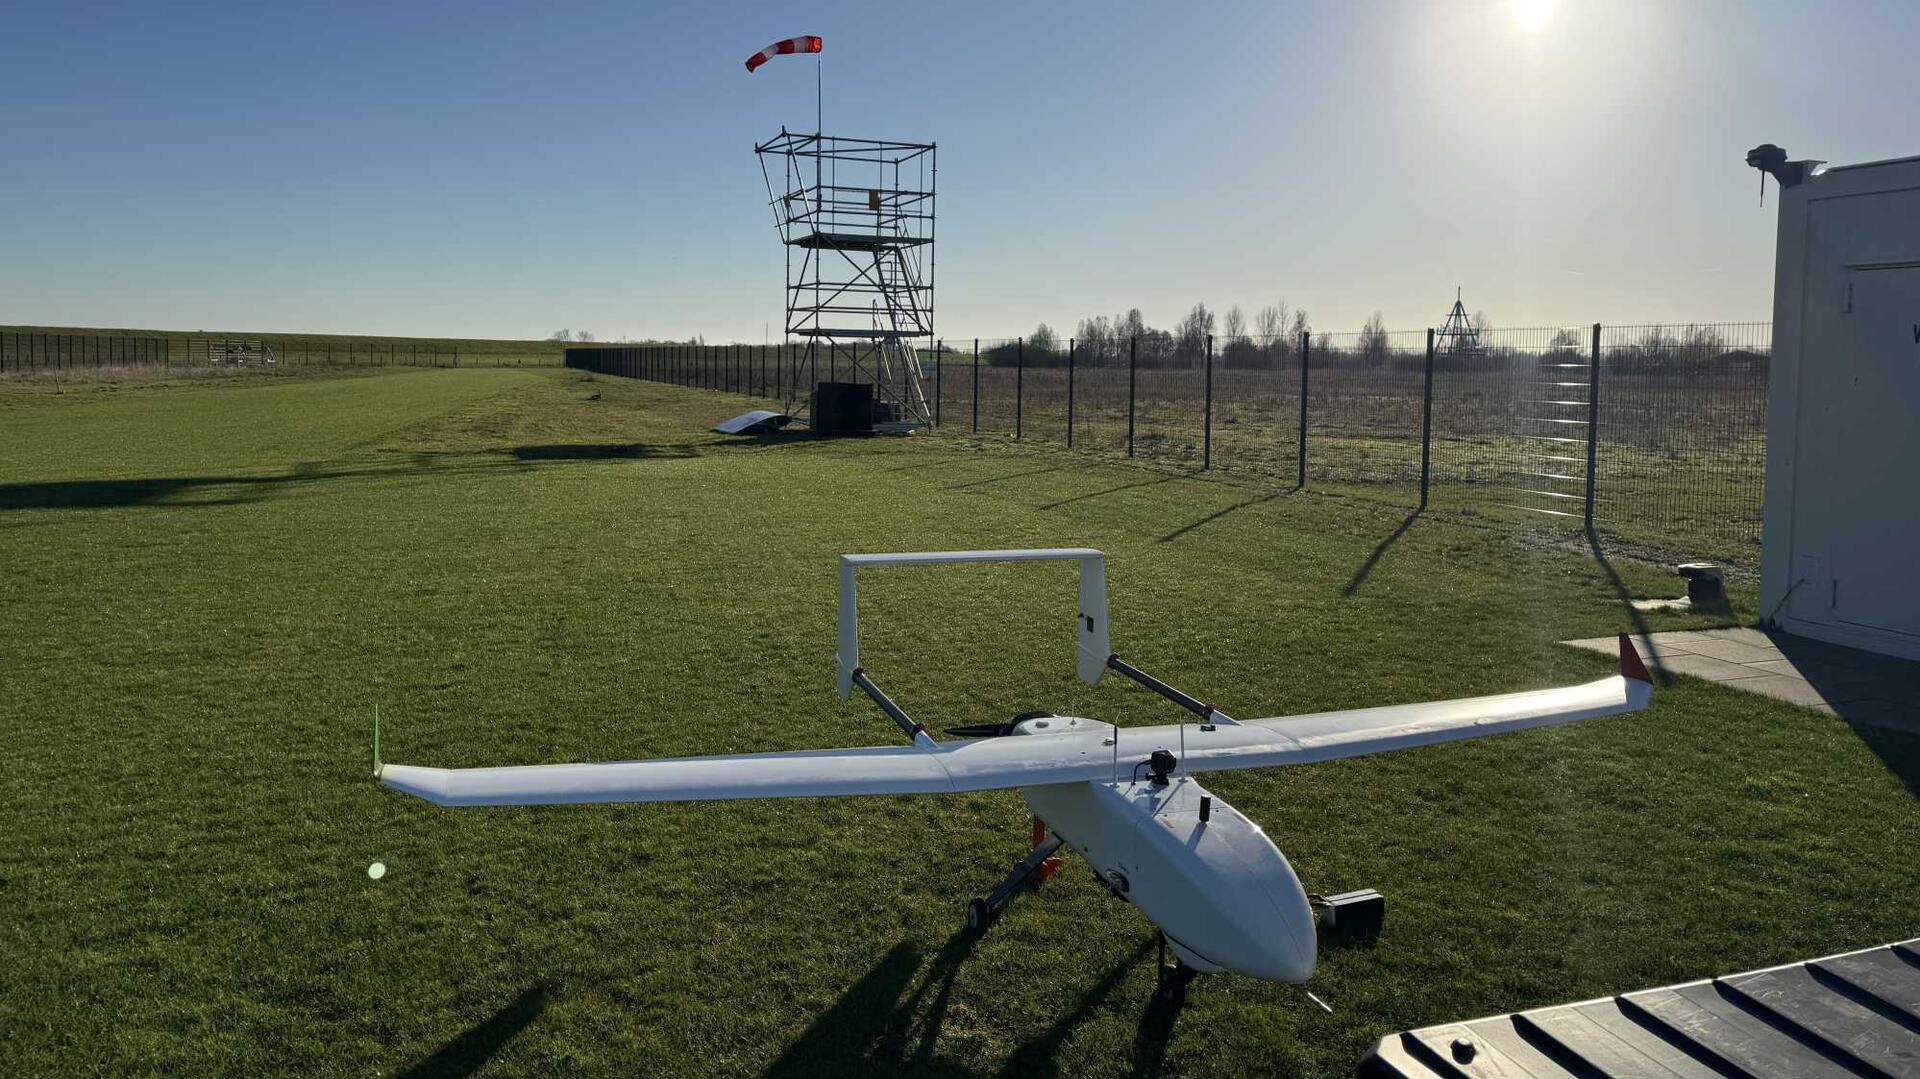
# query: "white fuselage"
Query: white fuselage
1219,889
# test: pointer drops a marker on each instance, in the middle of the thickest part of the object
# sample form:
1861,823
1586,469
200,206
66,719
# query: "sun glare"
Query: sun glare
1532,16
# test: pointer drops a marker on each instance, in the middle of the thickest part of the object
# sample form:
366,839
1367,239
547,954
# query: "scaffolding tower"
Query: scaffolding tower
856,217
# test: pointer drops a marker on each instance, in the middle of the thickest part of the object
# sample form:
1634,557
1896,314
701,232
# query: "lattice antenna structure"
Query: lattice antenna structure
856,218
1457,336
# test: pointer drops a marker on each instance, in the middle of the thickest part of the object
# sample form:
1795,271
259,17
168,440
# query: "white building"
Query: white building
1841,555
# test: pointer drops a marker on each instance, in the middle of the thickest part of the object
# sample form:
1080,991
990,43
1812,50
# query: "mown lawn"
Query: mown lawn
208,588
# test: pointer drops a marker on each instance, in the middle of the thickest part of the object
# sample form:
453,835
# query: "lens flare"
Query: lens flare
1532,16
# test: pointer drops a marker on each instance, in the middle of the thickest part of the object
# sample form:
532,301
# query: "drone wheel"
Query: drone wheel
978,914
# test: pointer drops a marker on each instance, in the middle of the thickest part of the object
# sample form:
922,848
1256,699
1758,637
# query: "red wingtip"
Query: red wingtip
1631,665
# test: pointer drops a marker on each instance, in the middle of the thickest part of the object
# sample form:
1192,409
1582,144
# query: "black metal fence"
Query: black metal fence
1652,435
24,351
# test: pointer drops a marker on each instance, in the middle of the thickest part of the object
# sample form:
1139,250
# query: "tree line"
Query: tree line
1270,339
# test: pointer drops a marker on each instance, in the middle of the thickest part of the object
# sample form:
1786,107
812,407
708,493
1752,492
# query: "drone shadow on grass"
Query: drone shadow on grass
889,1022
871,1029
472,1048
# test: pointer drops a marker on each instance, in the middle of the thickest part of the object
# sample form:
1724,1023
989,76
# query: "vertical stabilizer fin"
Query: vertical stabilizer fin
1631,665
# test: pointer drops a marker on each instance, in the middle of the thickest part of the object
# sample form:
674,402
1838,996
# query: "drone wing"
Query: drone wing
1028,761
1263,743
811,773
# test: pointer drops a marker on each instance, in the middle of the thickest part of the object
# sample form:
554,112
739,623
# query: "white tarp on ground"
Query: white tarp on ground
753,422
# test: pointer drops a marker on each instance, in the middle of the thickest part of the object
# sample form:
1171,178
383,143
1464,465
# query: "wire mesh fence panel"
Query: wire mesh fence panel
1682,438
1256,405
1509,434
1001,384
1100,377
1170,400
954,380
1044,385
1364,403
1678,446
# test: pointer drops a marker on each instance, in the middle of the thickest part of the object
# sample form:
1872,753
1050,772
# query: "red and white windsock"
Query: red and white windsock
807,43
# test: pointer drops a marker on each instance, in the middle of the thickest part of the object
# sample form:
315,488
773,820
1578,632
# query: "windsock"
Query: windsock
807,43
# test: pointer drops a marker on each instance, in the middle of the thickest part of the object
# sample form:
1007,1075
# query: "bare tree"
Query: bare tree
1699,343
1096,338
561,335
1301,325
1236,325
1191,336
1373,340
1043,339
1271,322
584,335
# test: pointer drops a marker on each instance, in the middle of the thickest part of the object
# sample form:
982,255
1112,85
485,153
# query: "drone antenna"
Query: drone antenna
376,738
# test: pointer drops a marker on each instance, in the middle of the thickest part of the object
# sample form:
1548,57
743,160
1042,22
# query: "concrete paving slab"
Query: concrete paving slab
1859,687
1649,647
1787,688
1735,651
1713,670
1740,634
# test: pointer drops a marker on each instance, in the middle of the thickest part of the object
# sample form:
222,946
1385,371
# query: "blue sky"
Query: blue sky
505,170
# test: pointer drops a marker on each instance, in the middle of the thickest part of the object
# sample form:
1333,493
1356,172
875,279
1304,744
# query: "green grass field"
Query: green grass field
208,588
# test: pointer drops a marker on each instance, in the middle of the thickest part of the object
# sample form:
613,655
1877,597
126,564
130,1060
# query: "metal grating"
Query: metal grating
1856,1014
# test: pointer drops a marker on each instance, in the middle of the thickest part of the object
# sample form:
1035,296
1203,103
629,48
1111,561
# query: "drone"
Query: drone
1126,800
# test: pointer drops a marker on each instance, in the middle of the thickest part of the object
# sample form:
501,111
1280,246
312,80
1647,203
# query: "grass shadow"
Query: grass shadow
1373,559
195,492
601,451
119,493
1217,514
1105,492
881,1026
1150,1042
1626,601
1036,1057
472,1048
1899,751
1877,696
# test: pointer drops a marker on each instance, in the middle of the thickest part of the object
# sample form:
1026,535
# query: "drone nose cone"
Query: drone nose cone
1286,951
1223,890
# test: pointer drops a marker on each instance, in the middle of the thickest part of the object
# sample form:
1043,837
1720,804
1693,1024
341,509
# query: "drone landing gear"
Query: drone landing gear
1037,867
1171,979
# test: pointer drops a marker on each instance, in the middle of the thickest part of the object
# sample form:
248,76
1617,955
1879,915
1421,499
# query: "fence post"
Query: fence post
1426,426
1019,382
976,385
939,351
1306,348
1206,445
1069,393
1133,364
1593,420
